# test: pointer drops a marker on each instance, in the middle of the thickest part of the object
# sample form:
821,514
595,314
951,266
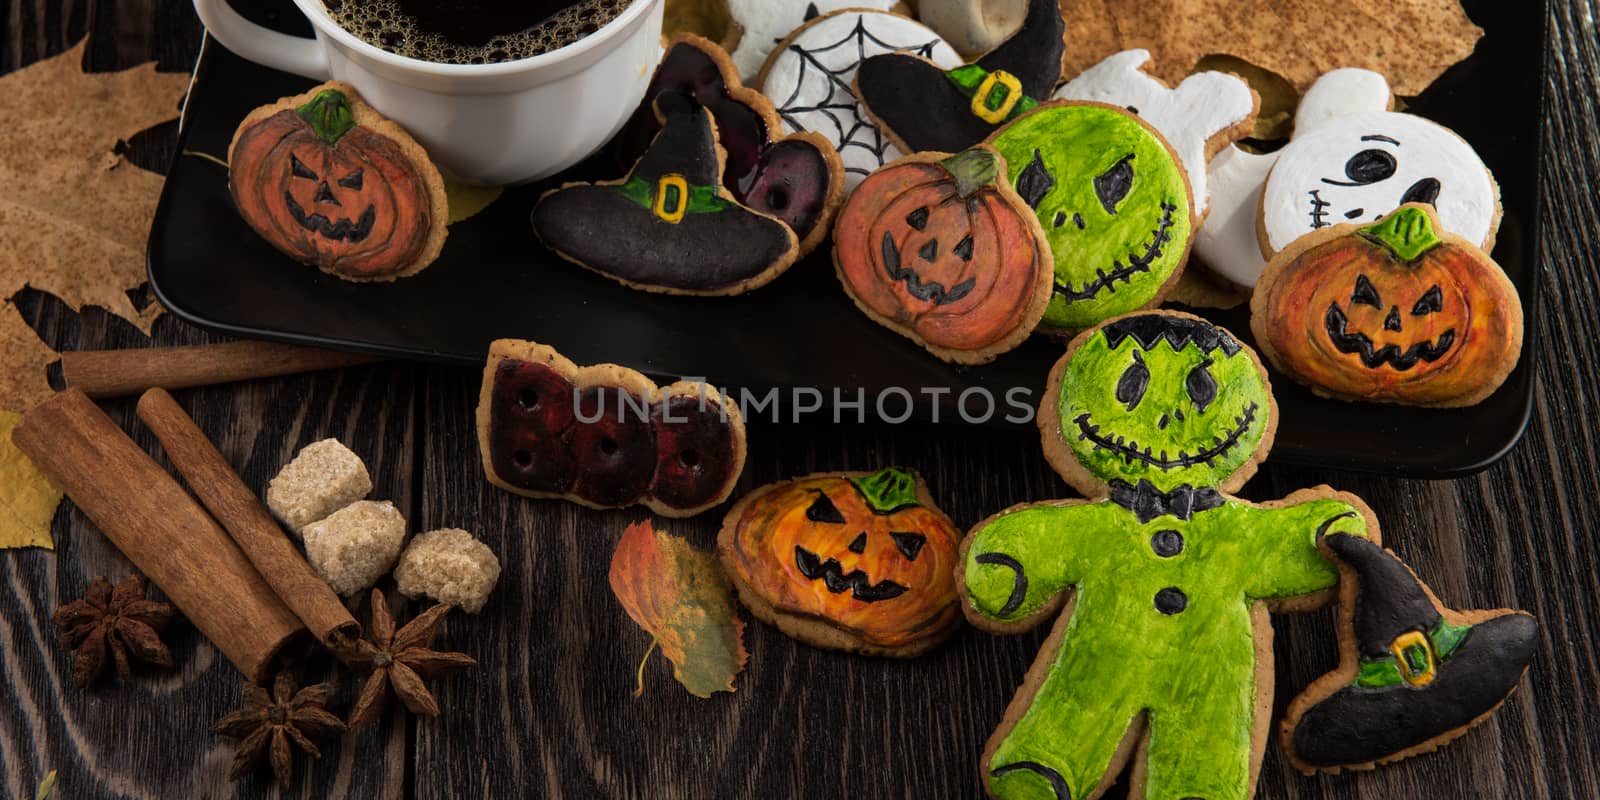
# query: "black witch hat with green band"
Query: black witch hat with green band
927,108
669,224
1420,679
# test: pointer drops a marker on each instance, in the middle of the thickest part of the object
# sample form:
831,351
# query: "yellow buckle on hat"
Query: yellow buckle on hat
1413,654
672,198
996,96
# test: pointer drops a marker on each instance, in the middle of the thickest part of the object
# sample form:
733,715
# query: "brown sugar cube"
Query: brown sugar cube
355,546
324,477
449,566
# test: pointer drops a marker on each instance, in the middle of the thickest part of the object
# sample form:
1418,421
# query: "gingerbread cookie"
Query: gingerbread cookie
331,183
1205,113
1113,200
762,24
846,561
922,106
797,179
604,436
1351,159
1397,312
1161,582
670,225
808,77
1413,675
943,251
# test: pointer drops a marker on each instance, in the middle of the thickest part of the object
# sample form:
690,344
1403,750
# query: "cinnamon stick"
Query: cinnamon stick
120,373
160,528
252,527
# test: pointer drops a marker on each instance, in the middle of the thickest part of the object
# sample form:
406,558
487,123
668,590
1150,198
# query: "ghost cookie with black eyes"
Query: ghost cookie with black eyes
855,561
1161,582
1400,311
1113,199
331,183
1351,159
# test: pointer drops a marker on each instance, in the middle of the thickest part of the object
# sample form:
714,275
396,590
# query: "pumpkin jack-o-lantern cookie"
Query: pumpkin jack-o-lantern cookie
1397,312
942,250
328,181
847,561
669,225
1161,581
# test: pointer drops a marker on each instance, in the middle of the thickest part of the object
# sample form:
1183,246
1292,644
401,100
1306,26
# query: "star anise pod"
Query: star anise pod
118,622
401,661
270,721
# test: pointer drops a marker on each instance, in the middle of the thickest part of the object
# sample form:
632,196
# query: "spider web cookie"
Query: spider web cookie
809,79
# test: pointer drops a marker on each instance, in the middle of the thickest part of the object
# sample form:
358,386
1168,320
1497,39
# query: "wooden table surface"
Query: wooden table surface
551,711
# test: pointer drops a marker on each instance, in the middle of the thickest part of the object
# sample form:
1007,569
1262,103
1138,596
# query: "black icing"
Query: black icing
1359,345
1137,263
913,100
1390,601
1111,186
686,145
1179,332
1130,450
930,291
1058,784
1167,543
1019,581
1035,181
1033,54
1171,600
838,581
1147,502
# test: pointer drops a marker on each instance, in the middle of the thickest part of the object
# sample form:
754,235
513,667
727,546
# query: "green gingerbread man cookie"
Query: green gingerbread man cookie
1162,580
1114,201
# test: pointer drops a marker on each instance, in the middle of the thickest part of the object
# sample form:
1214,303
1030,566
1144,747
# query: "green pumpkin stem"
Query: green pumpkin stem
888,490
1408,233
973,169
330,115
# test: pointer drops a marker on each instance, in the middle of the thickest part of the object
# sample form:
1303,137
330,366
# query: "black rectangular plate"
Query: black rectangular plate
494,280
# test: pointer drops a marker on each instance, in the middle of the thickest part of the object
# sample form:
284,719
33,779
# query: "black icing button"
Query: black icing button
1167,543
1171,600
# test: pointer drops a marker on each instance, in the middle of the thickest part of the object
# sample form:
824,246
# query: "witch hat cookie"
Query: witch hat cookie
1413,674
923,107
670,225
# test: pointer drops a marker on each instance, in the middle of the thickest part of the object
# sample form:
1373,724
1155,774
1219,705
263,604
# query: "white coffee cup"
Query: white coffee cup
501,123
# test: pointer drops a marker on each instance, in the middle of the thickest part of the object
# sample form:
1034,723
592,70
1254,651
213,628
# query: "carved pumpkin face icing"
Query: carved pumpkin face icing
854,562
355,197
1390,312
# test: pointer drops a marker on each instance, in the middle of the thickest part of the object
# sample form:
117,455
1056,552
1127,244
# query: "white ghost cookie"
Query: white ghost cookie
1351,159
1203,115
765,23
809,76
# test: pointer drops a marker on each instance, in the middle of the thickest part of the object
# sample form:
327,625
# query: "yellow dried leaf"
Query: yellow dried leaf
74,216
23,359
28,498
467,199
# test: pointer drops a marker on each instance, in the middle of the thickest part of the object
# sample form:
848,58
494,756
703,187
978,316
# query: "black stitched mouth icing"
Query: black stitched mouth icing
1130,450
837,580
932,291
351,231
1319,211
1358,344
1136,263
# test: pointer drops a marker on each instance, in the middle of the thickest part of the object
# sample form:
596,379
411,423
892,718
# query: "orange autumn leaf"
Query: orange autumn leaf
681,598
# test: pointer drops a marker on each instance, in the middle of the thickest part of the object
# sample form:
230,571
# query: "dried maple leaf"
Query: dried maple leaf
116,622
269,722
1410,41
23,359
28,498
400,662
74,216
680,596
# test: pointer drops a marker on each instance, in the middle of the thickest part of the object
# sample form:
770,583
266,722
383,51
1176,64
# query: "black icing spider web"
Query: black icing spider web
851,130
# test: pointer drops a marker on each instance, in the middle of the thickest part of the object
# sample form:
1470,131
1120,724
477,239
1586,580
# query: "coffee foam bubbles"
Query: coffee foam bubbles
383,24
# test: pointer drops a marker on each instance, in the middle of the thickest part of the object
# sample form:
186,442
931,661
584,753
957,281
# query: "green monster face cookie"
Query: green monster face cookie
1113,200
1164,398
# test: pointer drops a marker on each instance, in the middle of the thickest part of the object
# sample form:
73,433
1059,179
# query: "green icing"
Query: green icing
1192,672
702,199
1408,233
1113,264
971,76
888,490
973,170
1377,673
329,114
1166,418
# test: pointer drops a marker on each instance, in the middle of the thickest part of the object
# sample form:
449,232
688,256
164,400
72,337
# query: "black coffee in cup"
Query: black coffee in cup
472,31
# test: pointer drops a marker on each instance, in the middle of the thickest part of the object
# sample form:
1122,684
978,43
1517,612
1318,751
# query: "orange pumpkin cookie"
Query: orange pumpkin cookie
941,249
846,561
1397,312
327,180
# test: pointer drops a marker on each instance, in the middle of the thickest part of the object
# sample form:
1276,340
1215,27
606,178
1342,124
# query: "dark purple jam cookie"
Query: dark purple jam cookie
604,436
669,226
924,107
797,178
